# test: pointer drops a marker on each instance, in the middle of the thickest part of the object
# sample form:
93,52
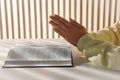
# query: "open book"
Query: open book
39,56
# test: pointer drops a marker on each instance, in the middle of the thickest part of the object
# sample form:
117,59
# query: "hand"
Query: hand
69,30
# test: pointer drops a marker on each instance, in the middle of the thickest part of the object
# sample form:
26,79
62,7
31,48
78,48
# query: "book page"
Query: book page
39,55
38,52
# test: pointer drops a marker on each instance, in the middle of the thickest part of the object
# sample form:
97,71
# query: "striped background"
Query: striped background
25,19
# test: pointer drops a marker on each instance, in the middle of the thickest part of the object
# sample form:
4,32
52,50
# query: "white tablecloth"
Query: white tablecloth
79,72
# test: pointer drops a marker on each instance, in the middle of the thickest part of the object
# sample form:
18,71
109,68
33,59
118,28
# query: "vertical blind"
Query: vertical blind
29,19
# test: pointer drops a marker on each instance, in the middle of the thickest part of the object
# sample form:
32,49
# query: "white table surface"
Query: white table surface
81,71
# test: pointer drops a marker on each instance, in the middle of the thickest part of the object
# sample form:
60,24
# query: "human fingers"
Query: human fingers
73,22
54,25
64,21
77,25
58,22
61,33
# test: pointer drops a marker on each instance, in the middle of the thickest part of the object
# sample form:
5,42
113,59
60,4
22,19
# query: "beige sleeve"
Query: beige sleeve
99,52
110,34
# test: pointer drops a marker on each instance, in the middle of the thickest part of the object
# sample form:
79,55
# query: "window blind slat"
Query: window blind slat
93,14
47,31
29,18
18,14
104,8
115,10
58,8
87,4
12,18
35,19
98,15
81,6
41,21
109,15
52,6
1,30
24,23
6,18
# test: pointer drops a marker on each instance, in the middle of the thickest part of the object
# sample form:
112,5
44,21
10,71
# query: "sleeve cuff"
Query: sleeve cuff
86,43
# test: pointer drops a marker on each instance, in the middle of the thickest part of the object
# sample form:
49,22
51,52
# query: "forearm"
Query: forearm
100,53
